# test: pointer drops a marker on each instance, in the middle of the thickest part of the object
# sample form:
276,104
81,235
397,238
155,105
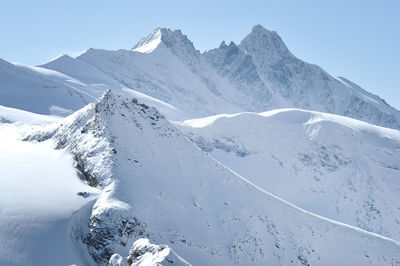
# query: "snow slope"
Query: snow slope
39,90
62,86
156,184
338,167
257,75
99,82
38,196
11,115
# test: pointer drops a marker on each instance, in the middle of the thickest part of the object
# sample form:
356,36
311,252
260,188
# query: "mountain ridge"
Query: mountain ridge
258,74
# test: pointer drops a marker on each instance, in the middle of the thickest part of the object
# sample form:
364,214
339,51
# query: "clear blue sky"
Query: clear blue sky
357,39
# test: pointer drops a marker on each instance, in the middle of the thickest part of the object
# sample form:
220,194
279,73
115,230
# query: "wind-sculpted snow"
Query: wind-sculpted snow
338,167
156,184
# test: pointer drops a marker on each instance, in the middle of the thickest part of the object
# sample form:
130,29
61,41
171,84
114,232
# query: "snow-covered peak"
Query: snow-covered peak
97,126
259,74
61,57
111,104
259,30
261,42
172,39
148,43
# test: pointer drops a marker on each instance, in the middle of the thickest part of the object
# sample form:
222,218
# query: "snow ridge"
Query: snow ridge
344,169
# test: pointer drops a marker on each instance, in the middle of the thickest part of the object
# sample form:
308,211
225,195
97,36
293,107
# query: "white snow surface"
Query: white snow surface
145,254
149,43
338,167
10,115
36,89
38,196
115,260
157,184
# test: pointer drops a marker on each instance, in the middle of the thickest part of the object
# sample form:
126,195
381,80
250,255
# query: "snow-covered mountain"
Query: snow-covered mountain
115,152
338,167
259,74
173,72
165,70
156,184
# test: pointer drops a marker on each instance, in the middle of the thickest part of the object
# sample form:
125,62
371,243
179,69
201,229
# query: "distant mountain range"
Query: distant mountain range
258,74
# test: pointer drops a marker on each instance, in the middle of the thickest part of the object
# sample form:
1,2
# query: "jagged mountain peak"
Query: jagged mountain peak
149,43
99,127
173,39
113,102
259,29
261,42
223,45
258,74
